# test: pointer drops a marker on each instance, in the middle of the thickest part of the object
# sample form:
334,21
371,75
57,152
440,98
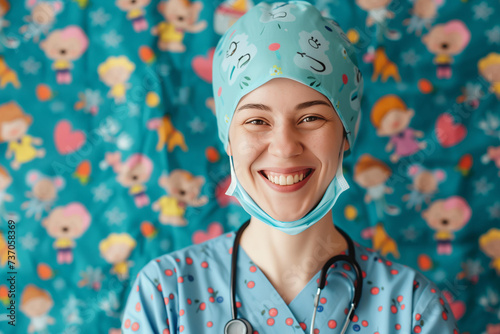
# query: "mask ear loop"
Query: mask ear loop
232,186
340,175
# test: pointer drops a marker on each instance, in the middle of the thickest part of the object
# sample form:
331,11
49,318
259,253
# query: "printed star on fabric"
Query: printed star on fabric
99,17
482,187
410,58
493,35
440,99
410,233
101,193
112,39
124,142
133,109
163,69
59,284
28,242
115,216
482,11
494,211
31,66
197,126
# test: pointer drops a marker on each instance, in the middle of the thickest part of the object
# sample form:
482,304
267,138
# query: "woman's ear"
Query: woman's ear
228,149
346,144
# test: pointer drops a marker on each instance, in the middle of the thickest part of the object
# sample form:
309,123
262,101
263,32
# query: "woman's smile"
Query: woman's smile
287,182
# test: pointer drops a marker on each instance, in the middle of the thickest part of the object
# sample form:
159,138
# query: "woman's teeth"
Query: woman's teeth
288,180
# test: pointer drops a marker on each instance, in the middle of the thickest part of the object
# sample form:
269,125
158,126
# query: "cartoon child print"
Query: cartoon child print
36,304
41,19
67,223
133,173
135,12
43,193
423,14
180,16
424,186
372,175
378,15
116,249
313,56
65,46
115,73
5,41
445,41
391,118
238,56
183,189
489,68
14,125
490,245
447,216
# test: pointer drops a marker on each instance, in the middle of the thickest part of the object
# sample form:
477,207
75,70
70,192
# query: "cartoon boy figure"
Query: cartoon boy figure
489,68
36,303
447,216
66,223
378,15
490,245
14,124
391,118
135,12
116,249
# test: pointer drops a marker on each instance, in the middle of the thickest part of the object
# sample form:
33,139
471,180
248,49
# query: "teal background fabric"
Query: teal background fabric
115,140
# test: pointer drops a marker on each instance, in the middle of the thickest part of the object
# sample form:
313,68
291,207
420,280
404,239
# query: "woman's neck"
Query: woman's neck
290,261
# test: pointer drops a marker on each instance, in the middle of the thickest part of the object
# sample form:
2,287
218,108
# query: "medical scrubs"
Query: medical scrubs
188,291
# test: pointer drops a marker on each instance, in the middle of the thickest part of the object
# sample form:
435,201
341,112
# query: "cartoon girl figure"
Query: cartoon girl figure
5,182
66,223
378,14
133,173
424,186
391,118
41,19
65,46
116,249
43,193
489,68
135,12
372,175
423,14
490,245
446,216
445,41
36,304
115,72
14,124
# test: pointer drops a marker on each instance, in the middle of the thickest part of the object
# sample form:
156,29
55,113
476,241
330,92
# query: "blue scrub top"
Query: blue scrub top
188,291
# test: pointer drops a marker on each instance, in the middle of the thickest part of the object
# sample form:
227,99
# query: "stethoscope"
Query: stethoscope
242,326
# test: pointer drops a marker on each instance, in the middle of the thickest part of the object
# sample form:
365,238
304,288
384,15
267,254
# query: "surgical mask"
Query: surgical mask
337,186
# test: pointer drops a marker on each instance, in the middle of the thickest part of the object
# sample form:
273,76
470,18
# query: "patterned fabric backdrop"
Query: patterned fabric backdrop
110,155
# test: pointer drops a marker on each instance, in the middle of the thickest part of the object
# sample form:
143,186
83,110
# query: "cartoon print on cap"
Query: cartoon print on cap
355,99
313,56
279,12
238,56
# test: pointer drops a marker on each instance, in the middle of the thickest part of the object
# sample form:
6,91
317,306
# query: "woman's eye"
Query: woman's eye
256,122
310,119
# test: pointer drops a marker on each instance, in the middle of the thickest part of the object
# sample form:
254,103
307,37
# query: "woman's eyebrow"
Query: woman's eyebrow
302,105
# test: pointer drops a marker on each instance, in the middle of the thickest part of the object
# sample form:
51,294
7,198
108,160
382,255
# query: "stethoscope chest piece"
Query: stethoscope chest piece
238,326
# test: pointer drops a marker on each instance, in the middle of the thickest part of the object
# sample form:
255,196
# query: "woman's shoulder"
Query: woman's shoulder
210,253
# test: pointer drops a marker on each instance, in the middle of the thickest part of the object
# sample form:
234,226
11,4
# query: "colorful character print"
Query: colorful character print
372,175
42,18
423,14
378,15
135,12
116,249
167,134
445,41
36,304
424,186
447,216
238,56
184,190
14,125
66,223
391,118
115,72
489,68
132,173
8,75
490,245
65,46
180,16
43,193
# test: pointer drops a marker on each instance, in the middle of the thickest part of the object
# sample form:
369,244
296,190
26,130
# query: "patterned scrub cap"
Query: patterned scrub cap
286,40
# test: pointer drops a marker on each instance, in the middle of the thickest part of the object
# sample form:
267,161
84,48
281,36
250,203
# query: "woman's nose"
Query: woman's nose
285,142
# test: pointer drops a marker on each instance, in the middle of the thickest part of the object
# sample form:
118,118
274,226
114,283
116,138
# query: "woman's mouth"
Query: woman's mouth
287,182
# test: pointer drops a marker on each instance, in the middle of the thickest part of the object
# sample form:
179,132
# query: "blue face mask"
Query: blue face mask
337,186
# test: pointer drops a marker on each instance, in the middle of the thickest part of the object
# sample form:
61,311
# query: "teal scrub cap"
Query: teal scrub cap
286,40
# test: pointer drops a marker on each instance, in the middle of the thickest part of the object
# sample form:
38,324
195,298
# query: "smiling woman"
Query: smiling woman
287,92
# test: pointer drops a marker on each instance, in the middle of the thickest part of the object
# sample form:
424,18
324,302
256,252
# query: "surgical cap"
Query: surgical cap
286,40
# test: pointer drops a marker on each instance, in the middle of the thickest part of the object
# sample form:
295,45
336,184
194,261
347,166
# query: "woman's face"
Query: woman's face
285,129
